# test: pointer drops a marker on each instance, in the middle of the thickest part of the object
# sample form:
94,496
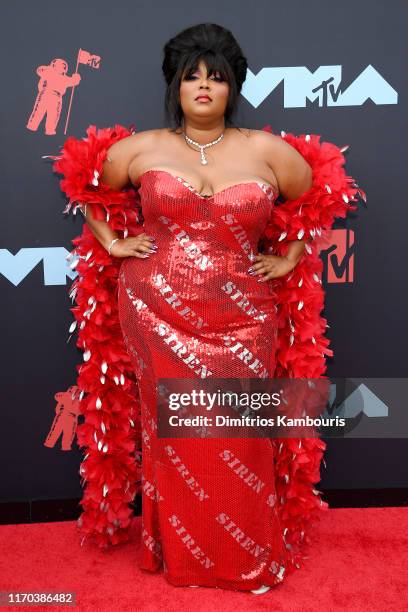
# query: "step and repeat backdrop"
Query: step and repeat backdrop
334,69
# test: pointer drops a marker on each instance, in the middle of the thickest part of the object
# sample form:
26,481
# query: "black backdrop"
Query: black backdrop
361,44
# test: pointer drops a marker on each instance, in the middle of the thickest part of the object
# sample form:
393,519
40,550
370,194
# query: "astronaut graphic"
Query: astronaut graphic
66,418
52,85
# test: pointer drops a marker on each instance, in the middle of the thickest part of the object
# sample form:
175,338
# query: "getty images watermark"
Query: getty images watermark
282,407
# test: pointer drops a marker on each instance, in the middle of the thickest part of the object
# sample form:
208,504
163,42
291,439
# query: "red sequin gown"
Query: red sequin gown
191,310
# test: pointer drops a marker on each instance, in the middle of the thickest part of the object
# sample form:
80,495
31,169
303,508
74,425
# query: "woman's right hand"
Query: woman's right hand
134,246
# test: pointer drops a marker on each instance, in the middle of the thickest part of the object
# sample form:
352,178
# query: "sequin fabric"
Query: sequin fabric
192,310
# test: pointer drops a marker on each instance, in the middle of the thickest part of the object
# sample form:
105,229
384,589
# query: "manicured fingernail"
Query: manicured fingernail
155,247
146,255
250,270
260,280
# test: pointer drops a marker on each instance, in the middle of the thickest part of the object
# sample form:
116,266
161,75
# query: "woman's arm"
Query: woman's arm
115,175
294,177
293,173
100,229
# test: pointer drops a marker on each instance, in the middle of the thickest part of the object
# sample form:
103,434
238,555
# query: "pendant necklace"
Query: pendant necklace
202,147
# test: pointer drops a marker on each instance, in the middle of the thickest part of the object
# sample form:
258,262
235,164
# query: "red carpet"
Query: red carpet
359,560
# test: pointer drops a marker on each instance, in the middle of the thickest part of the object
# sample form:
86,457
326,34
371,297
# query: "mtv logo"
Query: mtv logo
339,257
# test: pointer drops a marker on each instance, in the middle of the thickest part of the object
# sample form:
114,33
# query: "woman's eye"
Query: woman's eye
190,77
217,76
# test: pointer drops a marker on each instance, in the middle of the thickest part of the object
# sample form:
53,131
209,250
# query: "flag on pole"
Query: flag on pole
84,57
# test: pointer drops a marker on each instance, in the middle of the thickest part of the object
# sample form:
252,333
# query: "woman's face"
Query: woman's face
198,84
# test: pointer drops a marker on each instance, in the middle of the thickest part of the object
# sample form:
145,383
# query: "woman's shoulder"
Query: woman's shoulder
273,144
292,171
130,145
263,136
120,155
261,140
141,136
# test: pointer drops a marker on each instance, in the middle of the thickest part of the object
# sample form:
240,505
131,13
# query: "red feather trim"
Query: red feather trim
110,433
302,345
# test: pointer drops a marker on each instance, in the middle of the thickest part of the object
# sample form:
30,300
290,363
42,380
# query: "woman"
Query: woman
189,268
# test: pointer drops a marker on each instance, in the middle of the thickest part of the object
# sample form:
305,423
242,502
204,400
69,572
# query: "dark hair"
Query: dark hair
217,47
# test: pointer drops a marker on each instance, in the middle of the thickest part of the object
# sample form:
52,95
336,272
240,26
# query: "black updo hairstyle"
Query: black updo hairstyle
217,47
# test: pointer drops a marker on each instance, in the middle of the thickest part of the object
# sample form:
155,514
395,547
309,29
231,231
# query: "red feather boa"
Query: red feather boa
110,433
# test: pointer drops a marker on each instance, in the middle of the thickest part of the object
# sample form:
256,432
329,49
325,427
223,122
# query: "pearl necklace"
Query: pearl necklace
202,147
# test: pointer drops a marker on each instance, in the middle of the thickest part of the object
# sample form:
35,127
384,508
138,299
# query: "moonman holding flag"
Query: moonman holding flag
52,85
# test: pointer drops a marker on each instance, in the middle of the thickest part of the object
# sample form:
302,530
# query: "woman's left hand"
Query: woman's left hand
271,266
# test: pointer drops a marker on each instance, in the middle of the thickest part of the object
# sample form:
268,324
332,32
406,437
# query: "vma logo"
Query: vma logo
323,86
54,260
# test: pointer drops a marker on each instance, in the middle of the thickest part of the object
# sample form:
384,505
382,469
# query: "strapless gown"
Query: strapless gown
191,310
